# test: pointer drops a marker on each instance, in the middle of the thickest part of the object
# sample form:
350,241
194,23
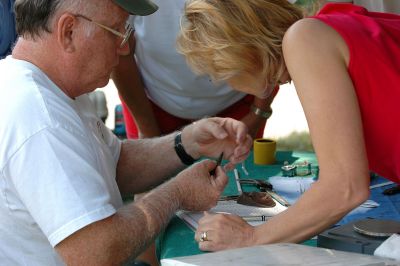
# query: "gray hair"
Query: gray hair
33,17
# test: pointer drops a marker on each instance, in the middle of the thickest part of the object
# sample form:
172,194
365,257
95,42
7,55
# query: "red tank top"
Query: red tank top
373,40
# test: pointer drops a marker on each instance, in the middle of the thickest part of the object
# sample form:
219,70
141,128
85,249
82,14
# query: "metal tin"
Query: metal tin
288,170
303,168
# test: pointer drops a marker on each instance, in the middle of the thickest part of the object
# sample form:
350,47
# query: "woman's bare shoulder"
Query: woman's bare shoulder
310,34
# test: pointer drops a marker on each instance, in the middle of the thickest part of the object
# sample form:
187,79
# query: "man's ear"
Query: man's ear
65,32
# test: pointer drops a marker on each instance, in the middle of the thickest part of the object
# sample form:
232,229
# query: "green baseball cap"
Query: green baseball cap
138,7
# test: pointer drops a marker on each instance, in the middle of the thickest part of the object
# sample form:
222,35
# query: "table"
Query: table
178,239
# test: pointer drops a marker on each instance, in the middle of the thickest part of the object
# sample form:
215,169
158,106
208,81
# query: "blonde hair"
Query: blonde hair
224,38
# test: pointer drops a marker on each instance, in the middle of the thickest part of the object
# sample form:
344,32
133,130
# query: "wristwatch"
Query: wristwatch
259,112
180,150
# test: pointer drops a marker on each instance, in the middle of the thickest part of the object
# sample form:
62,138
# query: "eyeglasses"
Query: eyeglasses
124,37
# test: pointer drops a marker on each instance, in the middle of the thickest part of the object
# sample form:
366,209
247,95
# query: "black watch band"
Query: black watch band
180,151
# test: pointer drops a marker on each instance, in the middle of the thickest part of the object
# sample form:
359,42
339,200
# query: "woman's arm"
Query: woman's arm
255,121
129,83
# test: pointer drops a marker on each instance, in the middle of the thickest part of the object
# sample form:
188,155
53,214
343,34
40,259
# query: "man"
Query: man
62,172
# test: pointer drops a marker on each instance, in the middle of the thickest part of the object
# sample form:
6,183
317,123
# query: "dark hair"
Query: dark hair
33,16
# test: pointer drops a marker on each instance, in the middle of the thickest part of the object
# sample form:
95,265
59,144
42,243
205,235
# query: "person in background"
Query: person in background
63,172
160,94
344,63
159,91
7,27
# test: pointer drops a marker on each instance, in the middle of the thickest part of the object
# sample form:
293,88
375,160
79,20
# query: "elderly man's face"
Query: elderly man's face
99,51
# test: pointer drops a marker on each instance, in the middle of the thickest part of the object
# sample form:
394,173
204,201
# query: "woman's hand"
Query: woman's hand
223,231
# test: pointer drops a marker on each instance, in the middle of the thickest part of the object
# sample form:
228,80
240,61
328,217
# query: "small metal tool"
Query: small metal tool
262,185
381,184
244,169
237,179
212,172
278,198
229,197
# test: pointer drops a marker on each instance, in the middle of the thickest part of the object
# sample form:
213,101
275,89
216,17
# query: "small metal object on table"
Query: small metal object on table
262,185
377,227
303,168
288,170
392,190
244,168
265,186
346,238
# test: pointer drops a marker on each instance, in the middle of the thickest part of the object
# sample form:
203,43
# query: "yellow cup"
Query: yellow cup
264,151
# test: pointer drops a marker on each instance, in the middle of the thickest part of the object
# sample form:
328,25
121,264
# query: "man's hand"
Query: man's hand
198,190
212,136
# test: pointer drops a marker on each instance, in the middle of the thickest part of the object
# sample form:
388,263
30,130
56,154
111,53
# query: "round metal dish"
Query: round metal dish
377,228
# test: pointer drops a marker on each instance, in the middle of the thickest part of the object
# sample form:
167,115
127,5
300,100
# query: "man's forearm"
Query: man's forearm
155,210
125,234
143,163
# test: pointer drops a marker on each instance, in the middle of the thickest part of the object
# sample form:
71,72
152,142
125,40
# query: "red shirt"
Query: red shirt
373,40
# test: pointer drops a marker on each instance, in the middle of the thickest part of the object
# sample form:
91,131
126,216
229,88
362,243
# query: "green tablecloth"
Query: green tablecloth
178,239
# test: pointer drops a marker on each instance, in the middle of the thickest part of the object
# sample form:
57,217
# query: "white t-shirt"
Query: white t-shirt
169,81
57,166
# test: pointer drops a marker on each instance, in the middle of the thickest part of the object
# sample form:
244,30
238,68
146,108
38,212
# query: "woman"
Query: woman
345,64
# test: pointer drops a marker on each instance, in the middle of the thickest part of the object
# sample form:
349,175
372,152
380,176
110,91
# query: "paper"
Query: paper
390,248
291,188
232,207
278,254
